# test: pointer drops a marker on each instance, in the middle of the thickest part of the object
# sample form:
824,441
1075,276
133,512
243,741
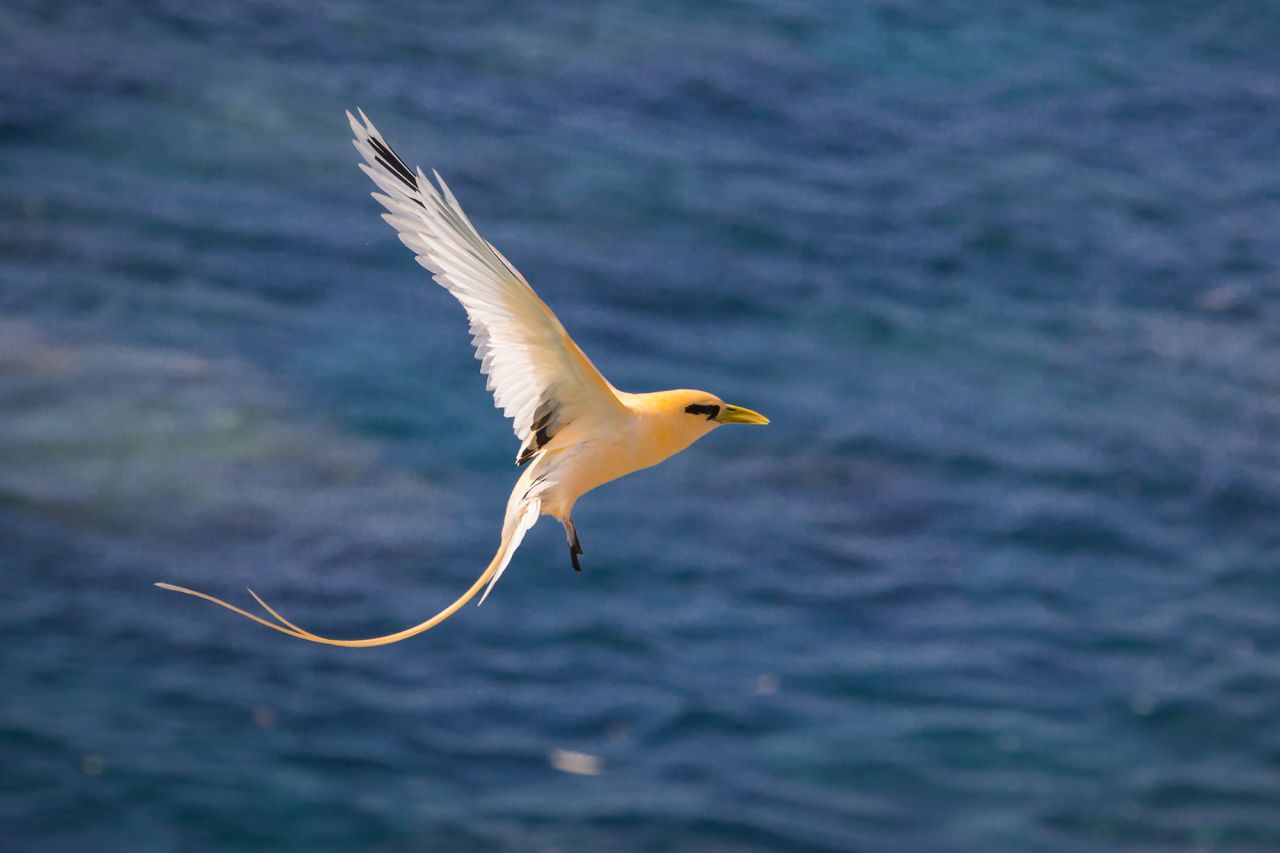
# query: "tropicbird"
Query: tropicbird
576,430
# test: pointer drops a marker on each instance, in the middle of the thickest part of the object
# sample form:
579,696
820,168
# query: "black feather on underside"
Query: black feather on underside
541,435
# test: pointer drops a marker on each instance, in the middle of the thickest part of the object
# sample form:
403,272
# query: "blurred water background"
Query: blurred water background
1002,574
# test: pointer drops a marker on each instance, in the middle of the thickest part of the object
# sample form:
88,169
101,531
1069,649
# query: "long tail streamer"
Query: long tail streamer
284,626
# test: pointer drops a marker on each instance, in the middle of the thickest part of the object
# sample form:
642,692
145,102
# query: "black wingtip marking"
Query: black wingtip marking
391,161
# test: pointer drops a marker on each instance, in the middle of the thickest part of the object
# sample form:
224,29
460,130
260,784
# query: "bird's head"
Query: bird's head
698,410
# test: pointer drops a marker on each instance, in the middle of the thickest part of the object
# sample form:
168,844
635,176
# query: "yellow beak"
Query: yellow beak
739,415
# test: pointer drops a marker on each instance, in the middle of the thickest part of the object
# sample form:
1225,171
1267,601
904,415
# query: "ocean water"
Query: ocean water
1003,573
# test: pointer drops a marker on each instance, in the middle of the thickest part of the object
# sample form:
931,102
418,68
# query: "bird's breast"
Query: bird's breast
591,457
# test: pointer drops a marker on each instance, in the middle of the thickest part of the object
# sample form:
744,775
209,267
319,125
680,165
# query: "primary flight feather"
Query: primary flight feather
576,430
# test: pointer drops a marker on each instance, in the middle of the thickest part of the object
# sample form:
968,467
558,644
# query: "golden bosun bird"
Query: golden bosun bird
576,430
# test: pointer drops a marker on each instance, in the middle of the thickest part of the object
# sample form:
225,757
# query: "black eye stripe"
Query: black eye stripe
703,409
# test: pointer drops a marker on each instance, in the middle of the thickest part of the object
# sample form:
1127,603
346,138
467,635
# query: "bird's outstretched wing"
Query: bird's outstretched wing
538,375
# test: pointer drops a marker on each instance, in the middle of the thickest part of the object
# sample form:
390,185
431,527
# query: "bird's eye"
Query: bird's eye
707,409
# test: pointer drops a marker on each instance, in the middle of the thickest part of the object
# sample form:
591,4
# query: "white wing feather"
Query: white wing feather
538,375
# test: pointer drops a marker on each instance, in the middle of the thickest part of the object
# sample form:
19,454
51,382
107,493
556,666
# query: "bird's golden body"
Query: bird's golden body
591,452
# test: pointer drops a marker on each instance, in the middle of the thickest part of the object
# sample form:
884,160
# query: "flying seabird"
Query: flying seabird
576,430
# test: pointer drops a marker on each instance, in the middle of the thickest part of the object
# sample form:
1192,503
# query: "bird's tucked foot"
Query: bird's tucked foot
575,547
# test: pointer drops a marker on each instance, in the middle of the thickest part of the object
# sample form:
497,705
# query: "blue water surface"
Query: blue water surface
1003,574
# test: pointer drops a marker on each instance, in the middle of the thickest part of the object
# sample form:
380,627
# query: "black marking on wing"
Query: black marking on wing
711,411
542,434
392,162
